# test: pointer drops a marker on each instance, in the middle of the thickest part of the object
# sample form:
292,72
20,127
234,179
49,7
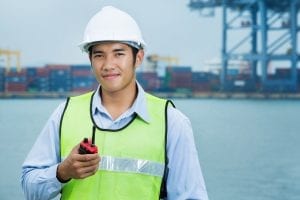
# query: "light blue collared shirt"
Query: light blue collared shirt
185,180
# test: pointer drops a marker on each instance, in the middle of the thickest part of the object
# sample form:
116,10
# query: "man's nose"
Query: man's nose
109,63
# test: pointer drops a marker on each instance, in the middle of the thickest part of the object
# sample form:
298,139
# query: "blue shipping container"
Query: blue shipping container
2,71
1,85
80,67
39,84
179,69
31,71
15,79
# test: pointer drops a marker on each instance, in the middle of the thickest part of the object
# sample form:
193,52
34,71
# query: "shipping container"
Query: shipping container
240,85
1,85
39,84
201,87
148,80
178,77
80,67
201,77
84,73
215,84
15,87
15,80
15,72
42,71
59,78
60,85
232,72
38,79
31,71
279,87
282,73
179,69
2,71
58,67
83,79
83,83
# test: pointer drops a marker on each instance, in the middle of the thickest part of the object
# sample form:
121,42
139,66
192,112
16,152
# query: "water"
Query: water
248,149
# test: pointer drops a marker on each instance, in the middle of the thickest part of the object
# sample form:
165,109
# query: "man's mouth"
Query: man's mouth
110,76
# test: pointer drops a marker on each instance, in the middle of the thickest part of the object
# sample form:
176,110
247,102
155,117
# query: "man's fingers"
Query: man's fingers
86,171
75,149
84,163
87,157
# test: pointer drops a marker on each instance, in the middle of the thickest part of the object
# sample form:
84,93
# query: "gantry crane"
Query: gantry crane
9,54
270,33
155,59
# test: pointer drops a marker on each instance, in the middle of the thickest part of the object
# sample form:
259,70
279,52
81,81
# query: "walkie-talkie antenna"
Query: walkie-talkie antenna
93,135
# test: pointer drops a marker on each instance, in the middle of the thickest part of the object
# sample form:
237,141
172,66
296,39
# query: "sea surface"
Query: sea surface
248,149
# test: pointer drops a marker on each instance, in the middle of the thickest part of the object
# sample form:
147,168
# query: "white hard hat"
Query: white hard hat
112,24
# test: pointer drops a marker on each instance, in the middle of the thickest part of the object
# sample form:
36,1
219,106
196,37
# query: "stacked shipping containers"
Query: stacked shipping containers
79,78
201,81
60,78
15,80
38,79
2,70
149,80
282,75
83,79
239,81
43,79
178,77
298,78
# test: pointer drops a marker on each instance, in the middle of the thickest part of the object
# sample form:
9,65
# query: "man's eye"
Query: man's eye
119,54
98,56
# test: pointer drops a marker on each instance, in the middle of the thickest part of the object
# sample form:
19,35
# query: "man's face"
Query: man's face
114,66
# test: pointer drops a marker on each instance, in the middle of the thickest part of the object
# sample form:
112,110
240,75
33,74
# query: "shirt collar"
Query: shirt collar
139,105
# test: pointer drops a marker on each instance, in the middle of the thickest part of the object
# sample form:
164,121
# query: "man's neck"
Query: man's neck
116,103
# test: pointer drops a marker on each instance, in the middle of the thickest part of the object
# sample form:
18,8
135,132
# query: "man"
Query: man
145,146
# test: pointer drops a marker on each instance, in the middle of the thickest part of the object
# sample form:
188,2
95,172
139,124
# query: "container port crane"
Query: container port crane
9,54
269,33
155,59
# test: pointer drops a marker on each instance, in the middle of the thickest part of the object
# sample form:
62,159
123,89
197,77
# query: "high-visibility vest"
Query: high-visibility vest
132,158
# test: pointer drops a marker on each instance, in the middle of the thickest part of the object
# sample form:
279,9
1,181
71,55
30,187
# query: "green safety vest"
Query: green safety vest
133,158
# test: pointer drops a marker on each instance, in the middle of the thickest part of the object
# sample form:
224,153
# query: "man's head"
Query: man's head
116,47
114,65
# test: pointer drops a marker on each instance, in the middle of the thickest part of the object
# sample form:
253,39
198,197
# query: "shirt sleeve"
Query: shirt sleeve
185,179
38,178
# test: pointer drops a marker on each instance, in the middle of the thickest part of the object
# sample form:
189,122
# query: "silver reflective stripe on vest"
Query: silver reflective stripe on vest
129,165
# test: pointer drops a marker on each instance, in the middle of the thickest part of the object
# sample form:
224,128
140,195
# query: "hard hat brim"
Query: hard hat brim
84,46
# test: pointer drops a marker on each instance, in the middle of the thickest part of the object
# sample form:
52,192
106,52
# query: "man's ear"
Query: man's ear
90,58
139,57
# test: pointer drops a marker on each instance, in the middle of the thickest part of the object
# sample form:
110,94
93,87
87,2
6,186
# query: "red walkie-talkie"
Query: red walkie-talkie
87,146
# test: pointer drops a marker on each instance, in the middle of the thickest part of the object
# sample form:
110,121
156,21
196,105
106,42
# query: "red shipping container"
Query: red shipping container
42,71
15,87
15,72
81,90
58,67
85,73
201,87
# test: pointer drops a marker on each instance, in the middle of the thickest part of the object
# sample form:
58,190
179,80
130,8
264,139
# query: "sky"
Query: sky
48,31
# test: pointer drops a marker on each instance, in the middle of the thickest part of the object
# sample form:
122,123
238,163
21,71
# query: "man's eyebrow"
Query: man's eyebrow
115,50
97,51
118,50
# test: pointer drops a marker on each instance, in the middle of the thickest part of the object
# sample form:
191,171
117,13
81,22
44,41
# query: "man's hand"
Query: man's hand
78,166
